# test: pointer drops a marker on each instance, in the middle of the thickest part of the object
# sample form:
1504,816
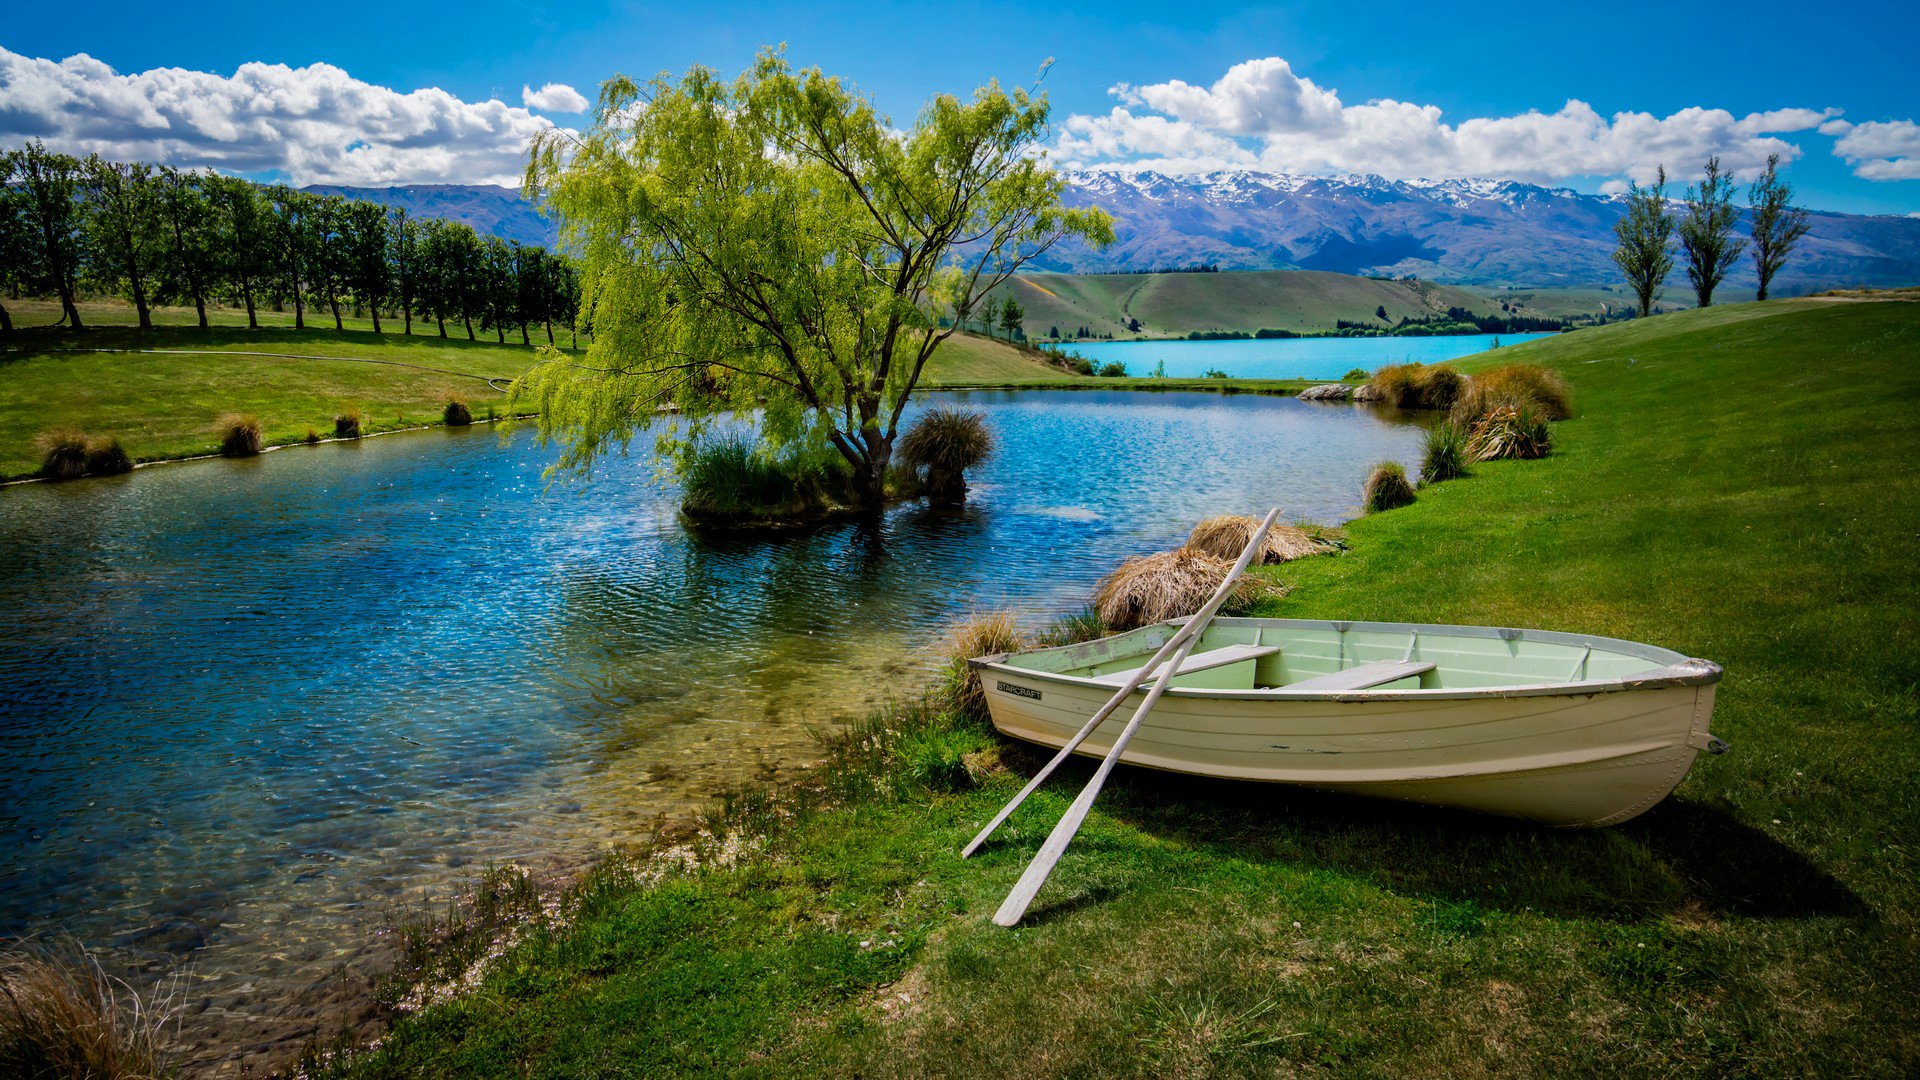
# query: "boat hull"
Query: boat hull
1570,757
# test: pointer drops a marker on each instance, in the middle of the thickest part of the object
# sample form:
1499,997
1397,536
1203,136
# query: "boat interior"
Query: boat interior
1308,656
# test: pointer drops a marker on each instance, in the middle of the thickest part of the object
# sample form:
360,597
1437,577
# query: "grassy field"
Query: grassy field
161,393
1738,483
1174,305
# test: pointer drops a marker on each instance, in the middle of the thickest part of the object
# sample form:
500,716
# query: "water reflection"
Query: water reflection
250,705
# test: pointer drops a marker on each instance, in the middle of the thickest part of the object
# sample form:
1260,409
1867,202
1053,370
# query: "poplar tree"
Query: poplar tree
777,244
1778,225
1645,251
1706,232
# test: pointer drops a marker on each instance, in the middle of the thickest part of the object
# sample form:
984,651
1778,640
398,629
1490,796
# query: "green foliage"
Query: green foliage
736,479
48,187
456,414
1645,251
1706,232
1073,628
1444,454
1357,375
778,232
1113,369
1386,488
1778,225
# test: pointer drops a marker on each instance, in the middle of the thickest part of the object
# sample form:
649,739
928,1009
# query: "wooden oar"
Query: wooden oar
1190,631
1024,890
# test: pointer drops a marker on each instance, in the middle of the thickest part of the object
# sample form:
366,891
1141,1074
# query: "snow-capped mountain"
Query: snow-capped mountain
1464,231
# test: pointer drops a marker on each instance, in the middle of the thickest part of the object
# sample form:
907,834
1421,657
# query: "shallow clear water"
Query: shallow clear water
251,706
1288,358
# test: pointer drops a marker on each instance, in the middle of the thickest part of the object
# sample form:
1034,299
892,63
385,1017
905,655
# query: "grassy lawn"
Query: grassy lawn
1738,483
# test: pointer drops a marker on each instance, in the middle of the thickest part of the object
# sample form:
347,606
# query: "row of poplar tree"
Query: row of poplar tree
160,235
1705,227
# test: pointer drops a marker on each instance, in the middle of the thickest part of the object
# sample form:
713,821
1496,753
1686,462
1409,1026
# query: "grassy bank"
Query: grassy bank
162,392
1737,483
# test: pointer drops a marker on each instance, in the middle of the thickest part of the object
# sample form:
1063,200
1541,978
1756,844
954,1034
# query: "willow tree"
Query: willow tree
775,244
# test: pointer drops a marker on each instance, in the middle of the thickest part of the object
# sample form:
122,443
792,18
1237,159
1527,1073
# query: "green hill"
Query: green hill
1175,305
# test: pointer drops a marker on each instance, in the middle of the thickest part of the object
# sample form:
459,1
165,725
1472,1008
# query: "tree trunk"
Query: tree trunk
333,301
443,326
6,321
246,293
299,309
549,331
67,307
375,312
523,336
406,312
499,334
468,319
200,306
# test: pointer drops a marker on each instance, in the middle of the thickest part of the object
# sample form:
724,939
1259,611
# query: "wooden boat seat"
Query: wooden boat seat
1360,676
1200,661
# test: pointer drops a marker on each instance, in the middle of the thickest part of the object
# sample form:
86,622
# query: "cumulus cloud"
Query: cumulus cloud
1880,149
1263,114
310,125
554,97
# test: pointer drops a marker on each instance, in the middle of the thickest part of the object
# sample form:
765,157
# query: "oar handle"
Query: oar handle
1182,635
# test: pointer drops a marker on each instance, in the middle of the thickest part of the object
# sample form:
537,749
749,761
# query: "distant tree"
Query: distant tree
1706,232
499,291
1012,317
403,256
529,286
17,249
121,221
1777,224
1381,313
1133,325
1645,251
364,247
1053,332
244,247
52,185
449,258
190,221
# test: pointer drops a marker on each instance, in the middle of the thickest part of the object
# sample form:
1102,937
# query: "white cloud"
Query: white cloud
1881,150
1262,113
312,125
554,97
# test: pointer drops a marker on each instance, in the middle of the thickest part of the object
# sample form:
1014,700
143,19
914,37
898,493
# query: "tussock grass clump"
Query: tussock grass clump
106,457
732,479
313,435
1150,589
63,453
457,414
1445,456
1082,625
983,634
240,435
943,444
347,425
1417,386
1510,432
1387,488
1224,537
1515,386
62,1015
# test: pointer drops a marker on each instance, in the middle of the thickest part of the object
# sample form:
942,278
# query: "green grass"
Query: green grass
1737,484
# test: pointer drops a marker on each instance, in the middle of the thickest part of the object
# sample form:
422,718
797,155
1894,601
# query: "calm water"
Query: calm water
251,706
1288,358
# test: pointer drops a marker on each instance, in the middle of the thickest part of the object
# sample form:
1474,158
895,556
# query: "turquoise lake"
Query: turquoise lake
255,707
1287,358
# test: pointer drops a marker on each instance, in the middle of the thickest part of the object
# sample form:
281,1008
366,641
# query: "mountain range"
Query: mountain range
1477,232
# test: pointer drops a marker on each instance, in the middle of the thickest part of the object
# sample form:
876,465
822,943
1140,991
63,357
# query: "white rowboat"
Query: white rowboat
1566,729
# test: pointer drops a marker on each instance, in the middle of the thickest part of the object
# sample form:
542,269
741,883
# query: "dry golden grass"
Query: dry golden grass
1416,386
1151,589
982,634
1514,386
62,1016
1226,536
1510,431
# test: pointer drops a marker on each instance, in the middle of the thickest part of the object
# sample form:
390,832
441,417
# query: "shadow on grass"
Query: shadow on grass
1680,854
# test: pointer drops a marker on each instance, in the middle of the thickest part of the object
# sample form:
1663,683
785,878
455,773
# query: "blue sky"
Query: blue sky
1282,65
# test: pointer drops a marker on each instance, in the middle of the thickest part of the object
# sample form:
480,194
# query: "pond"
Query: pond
1288,358
255,706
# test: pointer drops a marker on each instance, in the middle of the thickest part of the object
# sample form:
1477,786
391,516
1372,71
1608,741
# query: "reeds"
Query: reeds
1514,386
62,1015
240,435
457,414
347,425
1510,432
1151,589
943,444
63,453
733,478
1224,537
1386,488
982,634
1416,386
1445,453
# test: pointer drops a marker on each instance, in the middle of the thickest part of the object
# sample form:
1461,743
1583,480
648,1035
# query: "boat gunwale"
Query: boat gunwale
1678,669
